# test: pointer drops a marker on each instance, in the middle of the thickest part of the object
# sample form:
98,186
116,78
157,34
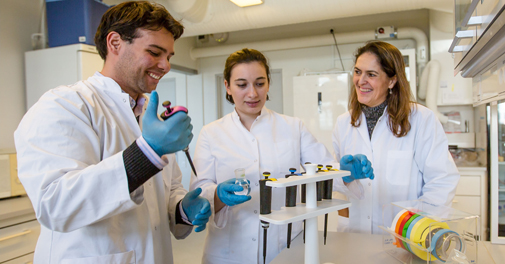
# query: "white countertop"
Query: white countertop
365,248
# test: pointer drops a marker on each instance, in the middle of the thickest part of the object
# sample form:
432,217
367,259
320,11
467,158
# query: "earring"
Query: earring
390,91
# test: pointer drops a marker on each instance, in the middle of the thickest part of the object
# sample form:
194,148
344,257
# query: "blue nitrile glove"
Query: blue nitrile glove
197,209
225,192
359,166
166,136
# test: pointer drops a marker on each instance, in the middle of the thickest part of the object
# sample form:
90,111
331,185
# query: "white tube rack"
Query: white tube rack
308,211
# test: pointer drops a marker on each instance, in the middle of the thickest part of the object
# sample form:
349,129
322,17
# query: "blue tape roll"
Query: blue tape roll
410,229
434,242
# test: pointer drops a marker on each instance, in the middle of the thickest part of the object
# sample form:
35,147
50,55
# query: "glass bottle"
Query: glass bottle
242,181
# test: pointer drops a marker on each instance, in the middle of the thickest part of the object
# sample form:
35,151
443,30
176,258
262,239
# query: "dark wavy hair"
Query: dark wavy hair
244,56
400,100
127,17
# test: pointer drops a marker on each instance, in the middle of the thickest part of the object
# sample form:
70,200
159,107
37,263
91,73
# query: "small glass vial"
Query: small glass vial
242,181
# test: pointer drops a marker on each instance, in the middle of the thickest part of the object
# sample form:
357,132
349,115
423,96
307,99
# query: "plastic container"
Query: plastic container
420,232
73,21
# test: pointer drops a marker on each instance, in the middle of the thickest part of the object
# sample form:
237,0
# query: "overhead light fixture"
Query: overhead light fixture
245,3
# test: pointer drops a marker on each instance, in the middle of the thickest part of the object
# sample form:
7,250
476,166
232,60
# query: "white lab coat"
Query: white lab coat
416,166
69,148
274,143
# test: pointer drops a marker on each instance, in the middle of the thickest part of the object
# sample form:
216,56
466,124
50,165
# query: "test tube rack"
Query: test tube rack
308,211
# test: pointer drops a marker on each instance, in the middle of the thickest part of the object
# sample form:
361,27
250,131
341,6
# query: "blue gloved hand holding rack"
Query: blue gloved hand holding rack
359,166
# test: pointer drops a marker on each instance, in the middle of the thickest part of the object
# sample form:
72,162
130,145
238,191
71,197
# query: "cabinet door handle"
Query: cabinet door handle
15,235
454,201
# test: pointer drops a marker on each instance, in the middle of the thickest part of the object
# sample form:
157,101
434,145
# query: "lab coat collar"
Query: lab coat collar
115,93
109,86
236,118
98,80
363,130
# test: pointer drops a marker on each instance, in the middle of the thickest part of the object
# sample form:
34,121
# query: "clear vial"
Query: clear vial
242,181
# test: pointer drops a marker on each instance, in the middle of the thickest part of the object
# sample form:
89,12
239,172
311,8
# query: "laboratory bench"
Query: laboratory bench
19,230
365,248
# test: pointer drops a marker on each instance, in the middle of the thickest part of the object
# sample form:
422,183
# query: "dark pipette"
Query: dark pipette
302,198
321,187
168,113
265,208
290,201
327,193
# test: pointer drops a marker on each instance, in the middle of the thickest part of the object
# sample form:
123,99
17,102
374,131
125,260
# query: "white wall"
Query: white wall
181,57
18,20
453,90
291,62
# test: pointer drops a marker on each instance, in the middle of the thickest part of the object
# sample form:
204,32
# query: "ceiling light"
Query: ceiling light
244,3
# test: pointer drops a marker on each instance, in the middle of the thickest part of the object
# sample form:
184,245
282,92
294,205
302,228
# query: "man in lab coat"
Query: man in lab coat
97,162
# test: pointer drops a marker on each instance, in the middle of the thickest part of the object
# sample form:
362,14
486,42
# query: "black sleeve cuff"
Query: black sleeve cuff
178,217
138,167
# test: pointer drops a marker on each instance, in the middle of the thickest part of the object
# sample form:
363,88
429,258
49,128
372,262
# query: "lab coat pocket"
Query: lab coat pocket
119,258
399,165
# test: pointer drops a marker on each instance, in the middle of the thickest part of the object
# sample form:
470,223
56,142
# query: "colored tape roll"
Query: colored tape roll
406,228
409,231
441,243
402,224
395,220
425,236
416,236
432,227
397,226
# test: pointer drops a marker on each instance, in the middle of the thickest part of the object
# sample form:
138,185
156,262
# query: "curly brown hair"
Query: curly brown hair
127,17
401,99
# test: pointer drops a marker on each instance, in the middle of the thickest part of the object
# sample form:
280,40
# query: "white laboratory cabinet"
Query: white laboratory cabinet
19,230
64,65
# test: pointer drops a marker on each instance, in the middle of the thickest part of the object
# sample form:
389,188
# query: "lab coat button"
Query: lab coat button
255,211
368,217
254,239
124,100
256,184
369,184
155,228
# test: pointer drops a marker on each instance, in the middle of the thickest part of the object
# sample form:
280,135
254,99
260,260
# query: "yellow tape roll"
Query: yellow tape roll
416,237
419,233
427,231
